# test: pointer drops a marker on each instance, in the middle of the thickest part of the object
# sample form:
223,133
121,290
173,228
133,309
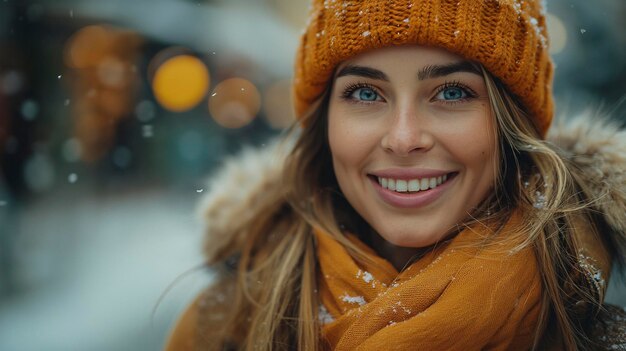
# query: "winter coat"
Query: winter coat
596,146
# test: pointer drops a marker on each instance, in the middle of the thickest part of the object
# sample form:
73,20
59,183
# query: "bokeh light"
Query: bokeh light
190,145
11,83
29,109
39,172
122,157
113,72
558,34
72,150
104,82
234,103
145,110
88,46
277,104
181,82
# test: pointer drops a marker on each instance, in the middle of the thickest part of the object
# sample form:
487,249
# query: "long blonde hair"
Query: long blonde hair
272,284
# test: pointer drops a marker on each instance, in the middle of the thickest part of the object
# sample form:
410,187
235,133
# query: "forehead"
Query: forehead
401,56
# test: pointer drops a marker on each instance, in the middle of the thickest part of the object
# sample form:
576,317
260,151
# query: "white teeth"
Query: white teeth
424,183
412,185
433,183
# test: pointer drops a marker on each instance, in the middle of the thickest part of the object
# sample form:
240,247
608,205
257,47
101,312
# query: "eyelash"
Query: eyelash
456,84
350,89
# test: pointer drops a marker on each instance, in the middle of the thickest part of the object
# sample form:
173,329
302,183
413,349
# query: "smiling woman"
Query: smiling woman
400,121
417,203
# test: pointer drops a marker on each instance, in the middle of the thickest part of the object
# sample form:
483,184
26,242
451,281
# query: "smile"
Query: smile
412,191
411,185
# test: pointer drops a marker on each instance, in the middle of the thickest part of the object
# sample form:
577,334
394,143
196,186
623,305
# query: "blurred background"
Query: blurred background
113,114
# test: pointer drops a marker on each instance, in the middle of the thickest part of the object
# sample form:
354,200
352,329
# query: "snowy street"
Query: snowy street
93,269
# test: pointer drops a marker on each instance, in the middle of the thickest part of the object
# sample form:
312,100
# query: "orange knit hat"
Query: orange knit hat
508,37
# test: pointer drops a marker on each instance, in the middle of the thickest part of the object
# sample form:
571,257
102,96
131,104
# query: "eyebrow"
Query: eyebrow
361,71
436,71
428,72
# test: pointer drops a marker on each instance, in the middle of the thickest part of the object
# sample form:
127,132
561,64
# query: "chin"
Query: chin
411,239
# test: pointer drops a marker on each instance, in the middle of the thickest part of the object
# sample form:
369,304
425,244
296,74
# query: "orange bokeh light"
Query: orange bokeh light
234,103
87,46
181,82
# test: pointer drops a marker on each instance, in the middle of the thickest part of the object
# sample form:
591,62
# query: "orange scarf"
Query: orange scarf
457,297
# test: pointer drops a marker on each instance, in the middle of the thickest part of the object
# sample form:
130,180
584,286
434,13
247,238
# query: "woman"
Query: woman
420,206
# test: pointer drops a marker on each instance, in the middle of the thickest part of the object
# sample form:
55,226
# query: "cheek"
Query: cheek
350,141
482,155
473,144
352,145
340,137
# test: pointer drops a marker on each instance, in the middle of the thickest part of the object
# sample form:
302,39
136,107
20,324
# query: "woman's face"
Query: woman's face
412,140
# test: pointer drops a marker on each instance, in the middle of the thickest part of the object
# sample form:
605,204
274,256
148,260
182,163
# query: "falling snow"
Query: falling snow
586,263
540,201
534,21
366,276
518,7
324,316
404,308
360,300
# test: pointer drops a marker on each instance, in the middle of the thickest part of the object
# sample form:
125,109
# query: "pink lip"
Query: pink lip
411,200
407,174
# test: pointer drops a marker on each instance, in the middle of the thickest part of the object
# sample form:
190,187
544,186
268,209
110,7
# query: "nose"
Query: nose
408,132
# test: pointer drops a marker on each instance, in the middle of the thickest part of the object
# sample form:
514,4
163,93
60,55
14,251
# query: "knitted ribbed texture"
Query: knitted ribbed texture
507,36
456,297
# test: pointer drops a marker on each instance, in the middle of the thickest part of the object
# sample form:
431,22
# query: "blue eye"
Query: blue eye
452,93
362,93
365,94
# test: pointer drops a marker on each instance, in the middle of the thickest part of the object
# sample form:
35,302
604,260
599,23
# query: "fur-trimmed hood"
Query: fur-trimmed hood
598,148
593,144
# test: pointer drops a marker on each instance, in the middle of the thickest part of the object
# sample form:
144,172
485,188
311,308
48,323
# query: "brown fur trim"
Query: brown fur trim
598,148
237,188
